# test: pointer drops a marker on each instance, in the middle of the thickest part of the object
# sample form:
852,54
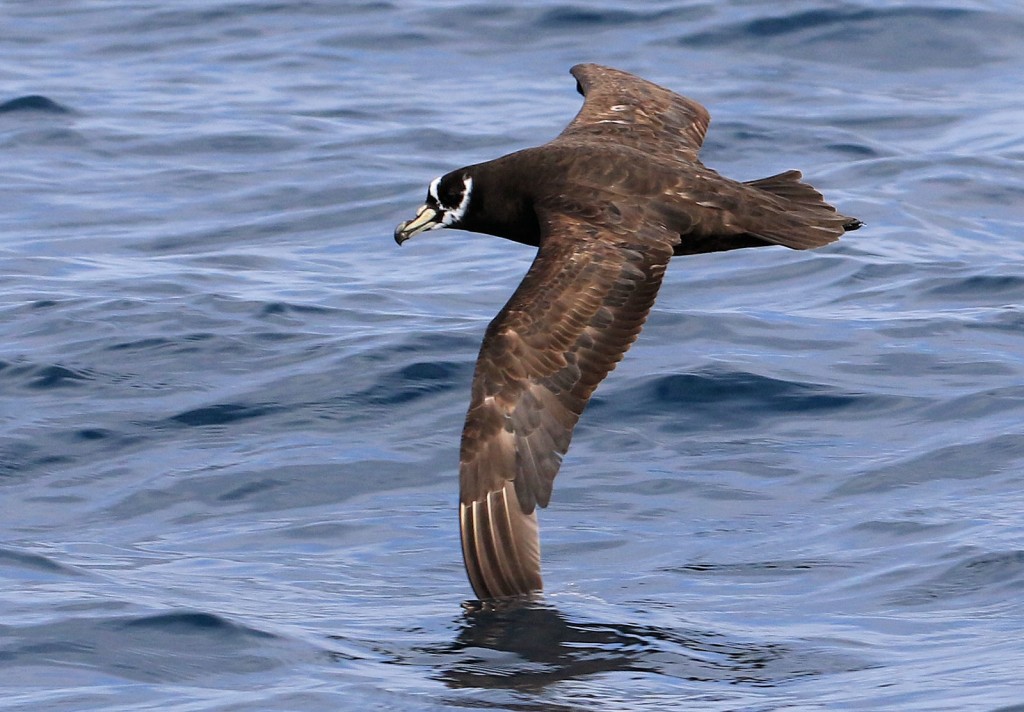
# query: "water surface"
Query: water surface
230,406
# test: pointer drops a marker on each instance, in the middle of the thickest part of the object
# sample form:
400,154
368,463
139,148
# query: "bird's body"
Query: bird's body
608,202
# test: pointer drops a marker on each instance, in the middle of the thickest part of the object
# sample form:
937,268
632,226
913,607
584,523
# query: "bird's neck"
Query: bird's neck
500,205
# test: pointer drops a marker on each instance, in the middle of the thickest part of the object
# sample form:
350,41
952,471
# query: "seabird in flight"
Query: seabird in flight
608,203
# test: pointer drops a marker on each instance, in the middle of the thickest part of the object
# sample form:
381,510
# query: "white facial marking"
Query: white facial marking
454,215
432,191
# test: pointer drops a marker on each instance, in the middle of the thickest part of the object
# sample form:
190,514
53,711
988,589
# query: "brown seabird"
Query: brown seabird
608,202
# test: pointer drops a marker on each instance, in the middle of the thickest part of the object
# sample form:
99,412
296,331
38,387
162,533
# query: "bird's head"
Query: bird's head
448,199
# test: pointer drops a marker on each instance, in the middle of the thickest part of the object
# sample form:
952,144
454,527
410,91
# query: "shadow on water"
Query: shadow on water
532,645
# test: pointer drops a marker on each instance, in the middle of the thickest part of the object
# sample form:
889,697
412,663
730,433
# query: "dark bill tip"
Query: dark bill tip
400,233
426,219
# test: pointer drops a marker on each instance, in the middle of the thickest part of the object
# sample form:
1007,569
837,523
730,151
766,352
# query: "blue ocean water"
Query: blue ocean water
230,405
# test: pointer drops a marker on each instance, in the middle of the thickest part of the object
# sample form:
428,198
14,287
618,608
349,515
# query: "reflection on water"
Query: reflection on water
531,645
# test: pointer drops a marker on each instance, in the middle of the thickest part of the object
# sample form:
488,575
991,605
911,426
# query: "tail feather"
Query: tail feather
801,218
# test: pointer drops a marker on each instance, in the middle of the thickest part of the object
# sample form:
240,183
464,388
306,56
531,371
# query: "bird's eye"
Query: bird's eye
449,193
449,197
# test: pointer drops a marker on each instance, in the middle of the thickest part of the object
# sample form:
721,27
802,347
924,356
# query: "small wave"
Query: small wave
33,103
163,647
197,622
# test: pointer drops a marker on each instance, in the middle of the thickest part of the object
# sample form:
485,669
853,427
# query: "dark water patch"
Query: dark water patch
581,18
1008,318
967,182
83,443
1003,288
22,461
144,344
223,414
184,344
890,39
876,276
368,381
912,362
843,18
207,494
883,532
995,573
722,399
286,308
978,405
416,381
33,103
52,376
14,558
249,489
92,434
433,343
854,150
651,485
198,236
37,451
755,569
321,531
226,20
717,388
959,461
243,146
17,459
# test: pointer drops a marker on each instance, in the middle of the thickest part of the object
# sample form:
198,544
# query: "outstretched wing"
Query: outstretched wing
576,312
635,112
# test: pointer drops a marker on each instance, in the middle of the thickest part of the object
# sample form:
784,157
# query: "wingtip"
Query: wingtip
500,546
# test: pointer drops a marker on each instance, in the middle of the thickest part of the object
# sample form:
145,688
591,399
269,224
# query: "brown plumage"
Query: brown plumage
608,202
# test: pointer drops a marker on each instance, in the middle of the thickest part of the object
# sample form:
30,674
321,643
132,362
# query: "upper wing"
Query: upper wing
576,312
635,112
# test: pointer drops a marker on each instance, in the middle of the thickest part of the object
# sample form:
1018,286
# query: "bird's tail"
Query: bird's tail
798,216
